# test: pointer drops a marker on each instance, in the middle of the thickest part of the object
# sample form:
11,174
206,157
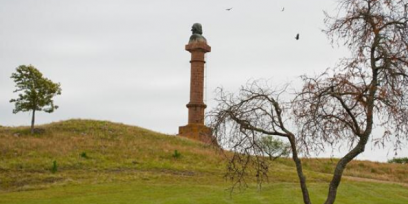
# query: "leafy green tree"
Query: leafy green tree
274,148
35,92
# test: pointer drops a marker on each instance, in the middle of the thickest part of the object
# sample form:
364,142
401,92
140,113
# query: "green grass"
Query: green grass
104,162
187,192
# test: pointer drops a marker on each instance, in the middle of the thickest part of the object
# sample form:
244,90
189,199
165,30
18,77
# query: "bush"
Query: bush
402,160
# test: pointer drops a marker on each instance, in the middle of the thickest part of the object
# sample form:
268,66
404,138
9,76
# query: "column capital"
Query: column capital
198,46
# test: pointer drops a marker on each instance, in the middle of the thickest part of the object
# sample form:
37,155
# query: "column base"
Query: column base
198,132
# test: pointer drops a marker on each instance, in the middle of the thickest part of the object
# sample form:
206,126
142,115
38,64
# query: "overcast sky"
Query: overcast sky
124,60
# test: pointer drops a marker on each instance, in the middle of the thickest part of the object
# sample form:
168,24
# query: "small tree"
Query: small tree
241,121
35,92
274,148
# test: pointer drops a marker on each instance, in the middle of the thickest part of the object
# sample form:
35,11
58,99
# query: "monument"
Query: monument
195,128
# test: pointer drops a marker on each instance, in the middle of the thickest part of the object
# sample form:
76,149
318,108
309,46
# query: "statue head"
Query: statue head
197,29
197,34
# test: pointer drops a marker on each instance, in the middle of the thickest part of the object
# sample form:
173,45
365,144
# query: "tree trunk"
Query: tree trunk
359,148
32,122
341,165
302,178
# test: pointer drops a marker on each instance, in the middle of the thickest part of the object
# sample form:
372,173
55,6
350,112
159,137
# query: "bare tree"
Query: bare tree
340,106
366,90
240,121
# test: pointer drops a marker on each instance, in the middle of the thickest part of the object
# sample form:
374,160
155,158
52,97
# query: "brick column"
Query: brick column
196,105
195,129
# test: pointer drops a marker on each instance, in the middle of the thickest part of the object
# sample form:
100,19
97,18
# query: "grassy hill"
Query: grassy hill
105,162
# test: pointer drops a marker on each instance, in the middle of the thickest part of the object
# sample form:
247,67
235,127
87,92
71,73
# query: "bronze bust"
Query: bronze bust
197,34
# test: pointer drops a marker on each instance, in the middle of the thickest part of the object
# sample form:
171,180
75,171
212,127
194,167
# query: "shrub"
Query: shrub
402,160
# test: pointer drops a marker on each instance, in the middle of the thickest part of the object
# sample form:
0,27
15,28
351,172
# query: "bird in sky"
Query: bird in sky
297,37
228,9
283,9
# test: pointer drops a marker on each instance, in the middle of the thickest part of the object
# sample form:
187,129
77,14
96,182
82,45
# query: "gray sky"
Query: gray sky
124,60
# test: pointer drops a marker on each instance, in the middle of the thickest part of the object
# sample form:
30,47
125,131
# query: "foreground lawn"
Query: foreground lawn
187,192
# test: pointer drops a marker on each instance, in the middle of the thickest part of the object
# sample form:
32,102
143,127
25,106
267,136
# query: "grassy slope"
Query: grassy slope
132,165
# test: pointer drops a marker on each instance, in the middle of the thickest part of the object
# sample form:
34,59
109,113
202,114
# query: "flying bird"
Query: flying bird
228,9
297,37
283,9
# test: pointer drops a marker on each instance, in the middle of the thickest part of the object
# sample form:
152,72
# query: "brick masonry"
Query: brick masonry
195,129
